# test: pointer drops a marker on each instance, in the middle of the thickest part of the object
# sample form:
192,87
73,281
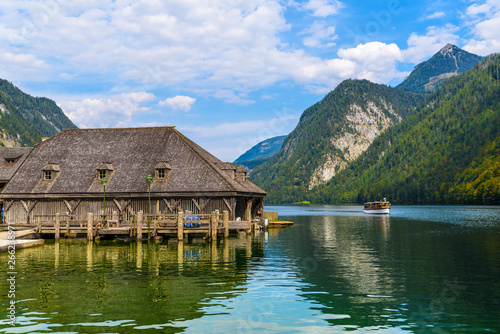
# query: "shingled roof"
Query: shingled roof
16,154
132,153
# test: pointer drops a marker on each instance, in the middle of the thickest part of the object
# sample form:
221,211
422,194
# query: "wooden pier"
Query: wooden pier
181,226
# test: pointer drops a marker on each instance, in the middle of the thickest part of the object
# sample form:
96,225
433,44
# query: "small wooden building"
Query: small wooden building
66,173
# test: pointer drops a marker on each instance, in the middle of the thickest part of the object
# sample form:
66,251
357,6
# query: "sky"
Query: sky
226,73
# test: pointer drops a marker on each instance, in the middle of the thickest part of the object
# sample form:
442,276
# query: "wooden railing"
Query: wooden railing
180,224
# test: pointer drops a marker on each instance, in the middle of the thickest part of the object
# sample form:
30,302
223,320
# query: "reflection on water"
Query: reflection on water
335,270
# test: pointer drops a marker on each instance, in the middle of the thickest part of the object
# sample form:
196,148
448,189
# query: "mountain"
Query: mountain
448,62
260,153
24,119
447,152
330,135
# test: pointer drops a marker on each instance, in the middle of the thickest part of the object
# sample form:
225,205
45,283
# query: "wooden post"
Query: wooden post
180,226
139,225
39,225
132,227
225,219
114,217
57,226
67,222
248,215
213,226
90,226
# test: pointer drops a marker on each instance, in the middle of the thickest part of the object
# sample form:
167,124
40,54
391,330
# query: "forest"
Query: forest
447,151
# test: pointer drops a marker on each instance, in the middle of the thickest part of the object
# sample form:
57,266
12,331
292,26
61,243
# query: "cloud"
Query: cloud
485,20
179,102
320,35
21,66
421,47
224,49
323,8
374,61
487,9
231,139
115,111
435,15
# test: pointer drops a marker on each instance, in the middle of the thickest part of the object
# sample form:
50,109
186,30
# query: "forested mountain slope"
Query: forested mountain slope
260,153
25,119
331,134
447,152
448,62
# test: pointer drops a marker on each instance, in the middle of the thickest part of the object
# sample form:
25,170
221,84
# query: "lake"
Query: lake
421,269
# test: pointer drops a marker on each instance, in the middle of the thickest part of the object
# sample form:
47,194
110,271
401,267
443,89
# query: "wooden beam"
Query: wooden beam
196,204
7,206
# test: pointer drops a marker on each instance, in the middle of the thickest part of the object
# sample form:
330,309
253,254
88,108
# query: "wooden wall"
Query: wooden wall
23,211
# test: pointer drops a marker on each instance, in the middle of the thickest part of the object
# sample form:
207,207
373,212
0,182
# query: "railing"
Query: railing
182,224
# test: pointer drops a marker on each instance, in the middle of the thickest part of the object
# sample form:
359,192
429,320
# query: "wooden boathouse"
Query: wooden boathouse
122,177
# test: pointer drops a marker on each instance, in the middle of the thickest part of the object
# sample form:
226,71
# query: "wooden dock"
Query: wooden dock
18,242
181,226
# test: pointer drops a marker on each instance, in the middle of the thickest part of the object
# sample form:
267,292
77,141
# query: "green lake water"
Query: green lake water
421,269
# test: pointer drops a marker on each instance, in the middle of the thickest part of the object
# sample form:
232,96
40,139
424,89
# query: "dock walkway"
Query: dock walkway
141,226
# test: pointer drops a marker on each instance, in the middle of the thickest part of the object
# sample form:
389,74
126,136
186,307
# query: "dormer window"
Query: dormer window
104,170
49,172
161,173
163,170
10,161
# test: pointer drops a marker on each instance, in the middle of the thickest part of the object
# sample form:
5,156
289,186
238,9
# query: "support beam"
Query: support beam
225,219
90,226
139,225
57,226
213,226
180,226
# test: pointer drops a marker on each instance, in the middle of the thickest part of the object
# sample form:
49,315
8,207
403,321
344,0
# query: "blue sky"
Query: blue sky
226,73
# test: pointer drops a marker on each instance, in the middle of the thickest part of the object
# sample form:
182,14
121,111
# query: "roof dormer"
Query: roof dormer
105,170
163,170
50,171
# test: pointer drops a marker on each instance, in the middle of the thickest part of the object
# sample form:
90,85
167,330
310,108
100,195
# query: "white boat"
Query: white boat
377,207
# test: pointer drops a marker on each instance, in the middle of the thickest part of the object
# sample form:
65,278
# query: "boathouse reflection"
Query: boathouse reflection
123,279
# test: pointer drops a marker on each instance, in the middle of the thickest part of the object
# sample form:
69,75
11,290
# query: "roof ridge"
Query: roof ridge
122,128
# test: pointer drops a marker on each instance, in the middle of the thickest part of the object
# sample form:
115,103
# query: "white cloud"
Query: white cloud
485,21
115,111
488,8
435,15
374,61
320,35
323,8
20,66
229,140
421,47
179,102
225,49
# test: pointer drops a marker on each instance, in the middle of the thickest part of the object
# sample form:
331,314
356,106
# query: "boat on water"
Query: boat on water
377,207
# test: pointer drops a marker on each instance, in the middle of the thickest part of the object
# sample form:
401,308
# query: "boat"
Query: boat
377,207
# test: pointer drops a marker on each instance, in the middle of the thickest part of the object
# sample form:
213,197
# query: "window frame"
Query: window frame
161,173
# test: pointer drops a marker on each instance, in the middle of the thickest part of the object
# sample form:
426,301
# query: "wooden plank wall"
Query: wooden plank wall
17,212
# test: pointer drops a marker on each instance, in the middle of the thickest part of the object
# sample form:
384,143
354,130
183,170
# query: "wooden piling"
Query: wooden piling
213,226
57,226
225,219
139,225
90,226
180,226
